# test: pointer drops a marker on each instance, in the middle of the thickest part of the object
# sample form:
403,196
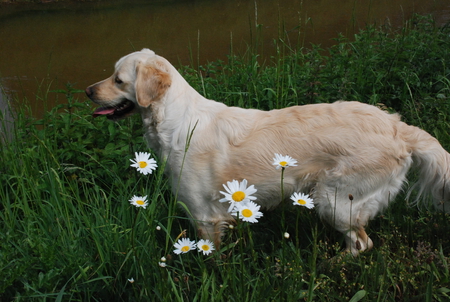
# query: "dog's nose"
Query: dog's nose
89,91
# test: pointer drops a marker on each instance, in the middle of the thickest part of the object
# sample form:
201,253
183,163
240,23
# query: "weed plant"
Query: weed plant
68,232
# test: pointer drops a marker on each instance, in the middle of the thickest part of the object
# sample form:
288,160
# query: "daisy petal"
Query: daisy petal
285,161
237,192
205,246
183,246
248,211
300,199
139,201
143,163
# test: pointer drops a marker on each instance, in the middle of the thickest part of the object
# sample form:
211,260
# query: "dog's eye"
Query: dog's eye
118,80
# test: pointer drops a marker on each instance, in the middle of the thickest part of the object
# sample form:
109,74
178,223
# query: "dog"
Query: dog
352,157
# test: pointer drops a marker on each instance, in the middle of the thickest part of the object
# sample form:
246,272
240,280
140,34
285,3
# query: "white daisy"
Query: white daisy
283,161
237,192
143,163
205,246
248,211
139,201
184,245
301,199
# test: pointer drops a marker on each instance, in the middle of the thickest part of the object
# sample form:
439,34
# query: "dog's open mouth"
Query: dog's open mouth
122,110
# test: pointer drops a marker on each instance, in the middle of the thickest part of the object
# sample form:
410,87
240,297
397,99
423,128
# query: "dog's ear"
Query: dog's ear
151,84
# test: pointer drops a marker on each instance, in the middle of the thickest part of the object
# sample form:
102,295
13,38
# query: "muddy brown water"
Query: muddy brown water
45,46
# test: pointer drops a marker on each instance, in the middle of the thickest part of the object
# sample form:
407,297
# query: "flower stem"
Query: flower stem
133,246
133,232
283,240
282,198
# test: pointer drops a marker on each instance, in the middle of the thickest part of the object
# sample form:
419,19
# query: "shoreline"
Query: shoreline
42,1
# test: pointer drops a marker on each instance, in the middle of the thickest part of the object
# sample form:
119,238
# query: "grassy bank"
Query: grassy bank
68,232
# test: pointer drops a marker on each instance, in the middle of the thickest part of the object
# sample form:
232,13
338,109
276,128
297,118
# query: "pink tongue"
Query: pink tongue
103,111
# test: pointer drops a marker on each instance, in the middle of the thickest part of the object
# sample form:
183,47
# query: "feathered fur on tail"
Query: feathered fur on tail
433,163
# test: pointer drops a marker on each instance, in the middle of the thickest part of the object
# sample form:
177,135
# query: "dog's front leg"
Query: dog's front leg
213,230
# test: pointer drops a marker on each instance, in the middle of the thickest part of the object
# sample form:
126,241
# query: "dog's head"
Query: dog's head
140,79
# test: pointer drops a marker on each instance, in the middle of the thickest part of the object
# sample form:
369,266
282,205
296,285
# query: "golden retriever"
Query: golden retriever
352,157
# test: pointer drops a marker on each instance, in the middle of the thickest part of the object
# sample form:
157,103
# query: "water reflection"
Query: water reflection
78,43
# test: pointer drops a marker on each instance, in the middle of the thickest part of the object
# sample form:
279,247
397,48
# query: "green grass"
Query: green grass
68,232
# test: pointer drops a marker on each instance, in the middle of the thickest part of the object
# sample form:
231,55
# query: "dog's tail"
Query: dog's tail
433,164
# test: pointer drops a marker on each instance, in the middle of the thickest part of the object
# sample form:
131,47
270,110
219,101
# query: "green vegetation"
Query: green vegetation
68,232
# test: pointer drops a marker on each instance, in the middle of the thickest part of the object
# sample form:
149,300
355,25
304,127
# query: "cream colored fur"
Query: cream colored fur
342,149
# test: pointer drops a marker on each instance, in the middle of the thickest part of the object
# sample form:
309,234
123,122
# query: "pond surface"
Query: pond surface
45,46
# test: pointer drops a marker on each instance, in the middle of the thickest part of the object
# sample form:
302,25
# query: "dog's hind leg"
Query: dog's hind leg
357,240
364,239
348,216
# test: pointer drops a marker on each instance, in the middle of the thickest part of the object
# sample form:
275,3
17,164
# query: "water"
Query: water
45,46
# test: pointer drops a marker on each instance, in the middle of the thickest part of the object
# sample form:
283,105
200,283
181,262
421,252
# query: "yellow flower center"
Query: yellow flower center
205,247
247,213
238,196
283,163
140,202
302,202
142,164
185,248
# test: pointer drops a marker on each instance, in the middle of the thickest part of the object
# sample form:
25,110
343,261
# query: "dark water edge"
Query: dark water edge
12,2
51,44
